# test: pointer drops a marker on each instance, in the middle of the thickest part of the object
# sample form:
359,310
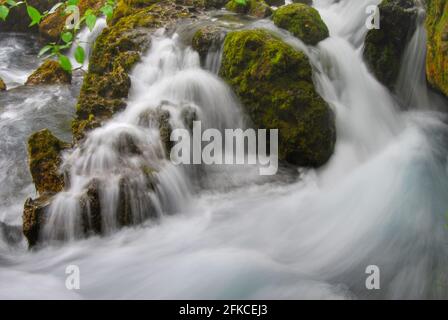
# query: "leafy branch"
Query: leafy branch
67,38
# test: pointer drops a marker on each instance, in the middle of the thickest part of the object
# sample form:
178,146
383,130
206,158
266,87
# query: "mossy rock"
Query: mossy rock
274,83
50,72
44,154
207,38
302,21
384,47
256,8
52,26
437,44
2,85
18,19
117,49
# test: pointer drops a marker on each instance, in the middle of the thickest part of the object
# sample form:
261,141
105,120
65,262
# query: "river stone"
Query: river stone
50,72
256,8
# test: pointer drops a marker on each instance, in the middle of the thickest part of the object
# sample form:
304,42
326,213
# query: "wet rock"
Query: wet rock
384,47
437,45
302,21
34,215
91,209
50,72
206,39
2,85
44,153
274,83
256,8
159,118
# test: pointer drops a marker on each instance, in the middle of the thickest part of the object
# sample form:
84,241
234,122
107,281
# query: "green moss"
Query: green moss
44,160
256,8
302,21
2,85
50,72
205,39
274,83
115,52
437,45
384,47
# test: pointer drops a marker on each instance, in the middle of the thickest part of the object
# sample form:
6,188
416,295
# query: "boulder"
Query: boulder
256,8
384,47
274,83
302,21
2,85
50,72
207,38
437,45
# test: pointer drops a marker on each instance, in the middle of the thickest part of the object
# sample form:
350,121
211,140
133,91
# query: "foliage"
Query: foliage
67,37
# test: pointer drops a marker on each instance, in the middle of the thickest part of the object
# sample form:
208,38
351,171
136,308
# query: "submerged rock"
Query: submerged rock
274,83
437,45
385,47
302,21
206,39
50,72
2,85
256,8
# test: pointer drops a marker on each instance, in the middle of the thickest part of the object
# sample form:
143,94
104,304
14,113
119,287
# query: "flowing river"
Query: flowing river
225,232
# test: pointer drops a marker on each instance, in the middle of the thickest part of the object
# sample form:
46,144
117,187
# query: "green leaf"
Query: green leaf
12,3
65,63
80,54
241,2
91,21
67,37
34,15
4,11
72,2
45,50
107,10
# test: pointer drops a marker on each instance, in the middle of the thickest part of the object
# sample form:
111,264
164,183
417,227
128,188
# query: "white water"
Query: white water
381,200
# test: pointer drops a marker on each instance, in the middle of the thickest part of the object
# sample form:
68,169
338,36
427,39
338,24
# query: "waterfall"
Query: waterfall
381,200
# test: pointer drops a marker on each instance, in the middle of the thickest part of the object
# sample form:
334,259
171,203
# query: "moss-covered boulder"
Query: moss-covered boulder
44,153
256,8
116,51
274,83
302,21
50,72
2,85
437,45
207,38
52,25
384,47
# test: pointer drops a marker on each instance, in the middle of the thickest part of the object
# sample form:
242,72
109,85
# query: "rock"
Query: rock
117,49
274,83
206,39
256,8
52,25
308,2
437,45
18,19
50,72
34,215
384,47
44,154
2,85
302,21
91,209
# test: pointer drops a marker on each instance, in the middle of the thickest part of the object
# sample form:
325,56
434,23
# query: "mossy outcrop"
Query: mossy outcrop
385,47
207,38
437,45
302,21
256,8
52,25
2,85
50,72
274,83
115,52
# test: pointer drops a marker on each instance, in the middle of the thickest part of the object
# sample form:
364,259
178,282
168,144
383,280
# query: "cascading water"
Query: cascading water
382,199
